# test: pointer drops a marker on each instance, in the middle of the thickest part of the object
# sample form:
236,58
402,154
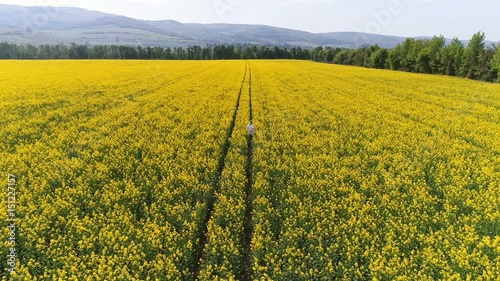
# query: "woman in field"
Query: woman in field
251,129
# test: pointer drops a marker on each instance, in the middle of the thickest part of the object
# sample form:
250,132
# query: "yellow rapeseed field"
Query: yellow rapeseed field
133,170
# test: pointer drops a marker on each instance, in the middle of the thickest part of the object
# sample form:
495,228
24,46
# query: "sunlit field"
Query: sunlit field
132,170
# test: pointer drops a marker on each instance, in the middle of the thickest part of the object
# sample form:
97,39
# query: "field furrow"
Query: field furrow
135,170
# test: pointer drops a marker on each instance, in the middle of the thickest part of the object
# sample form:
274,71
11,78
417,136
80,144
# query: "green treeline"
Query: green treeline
216,52
433,56
474,61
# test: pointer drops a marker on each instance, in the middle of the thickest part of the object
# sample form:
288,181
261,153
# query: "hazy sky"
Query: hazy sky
459,18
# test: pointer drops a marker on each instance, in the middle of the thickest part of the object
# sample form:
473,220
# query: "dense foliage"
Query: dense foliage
364,174
133,170
215,52
433,56
115,163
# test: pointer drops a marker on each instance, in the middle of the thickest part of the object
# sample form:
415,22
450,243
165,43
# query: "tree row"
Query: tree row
215,52
433,56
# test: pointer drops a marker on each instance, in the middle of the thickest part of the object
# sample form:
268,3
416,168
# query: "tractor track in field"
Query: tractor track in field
246,269
202,233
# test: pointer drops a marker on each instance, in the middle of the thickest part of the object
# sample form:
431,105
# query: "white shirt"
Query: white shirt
250,129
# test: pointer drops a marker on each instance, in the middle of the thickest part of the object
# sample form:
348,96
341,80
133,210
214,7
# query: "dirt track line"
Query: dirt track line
202,233
246,270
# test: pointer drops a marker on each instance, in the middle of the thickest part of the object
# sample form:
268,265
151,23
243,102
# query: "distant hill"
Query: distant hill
48,25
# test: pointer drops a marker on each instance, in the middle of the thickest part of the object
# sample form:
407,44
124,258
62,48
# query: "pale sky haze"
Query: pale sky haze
390,17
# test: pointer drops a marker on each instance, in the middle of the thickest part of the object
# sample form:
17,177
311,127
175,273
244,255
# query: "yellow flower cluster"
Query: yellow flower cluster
223,253
357,174
374,175
114,162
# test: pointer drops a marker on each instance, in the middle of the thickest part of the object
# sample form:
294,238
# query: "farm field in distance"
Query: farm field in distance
142,170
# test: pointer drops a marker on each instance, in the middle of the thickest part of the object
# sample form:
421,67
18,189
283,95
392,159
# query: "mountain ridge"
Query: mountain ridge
50,25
